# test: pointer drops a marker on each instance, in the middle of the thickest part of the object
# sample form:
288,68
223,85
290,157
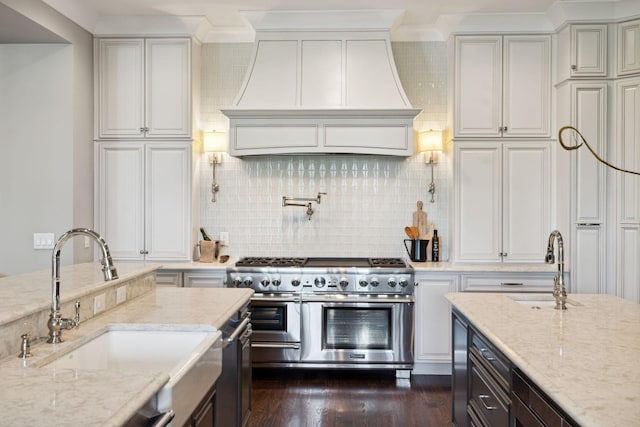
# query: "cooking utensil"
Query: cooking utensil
409,232
416,233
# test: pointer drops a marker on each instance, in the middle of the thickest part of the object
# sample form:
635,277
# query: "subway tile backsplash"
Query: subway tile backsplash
370,198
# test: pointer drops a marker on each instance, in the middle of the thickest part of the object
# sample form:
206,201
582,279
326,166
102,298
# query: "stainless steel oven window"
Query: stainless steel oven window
357,328
269,318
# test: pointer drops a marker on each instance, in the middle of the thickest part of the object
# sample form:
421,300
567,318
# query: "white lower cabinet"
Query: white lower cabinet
433,324
143,199
204,279
170,278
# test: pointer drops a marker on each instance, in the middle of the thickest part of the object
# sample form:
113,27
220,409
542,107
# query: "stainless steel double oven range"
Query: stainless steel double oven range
329,312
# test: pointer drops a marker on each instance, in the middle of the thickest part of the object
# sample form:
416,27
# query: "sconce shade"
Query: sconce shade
215,142
430,140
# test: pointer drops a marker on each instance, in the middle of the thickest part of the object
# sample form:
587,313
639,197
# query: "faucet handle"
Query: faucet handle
25,347
76,318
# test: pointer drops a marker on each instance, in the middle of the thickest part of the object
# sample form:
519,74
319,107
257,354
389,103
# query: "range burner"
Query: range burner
271,262
387,262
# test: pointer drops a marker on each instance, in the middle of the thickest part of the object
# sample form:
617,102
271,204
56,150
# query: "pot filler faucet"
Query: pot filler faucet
559,291
56,323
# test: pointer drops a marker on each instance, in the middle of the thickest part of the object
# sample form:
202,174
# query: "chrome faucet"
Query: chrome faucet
56,323
559,290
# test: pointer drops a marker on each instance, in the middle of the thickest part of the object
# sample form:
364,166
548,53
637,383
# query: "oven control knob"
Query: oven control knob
363,283
320,282
343,282
404,283
236,282
276,282
374,282
392,282
264,282
295,282
248,281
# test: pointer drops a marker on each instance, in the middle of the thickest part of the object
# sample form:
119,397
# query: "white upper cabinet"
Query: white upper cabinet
502,86
629,47
582,51
143,88
502,196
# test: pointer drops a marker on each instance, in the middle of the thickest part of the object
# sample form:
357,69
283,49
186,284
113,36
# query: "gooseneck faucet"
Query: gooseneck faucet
56,323
559,290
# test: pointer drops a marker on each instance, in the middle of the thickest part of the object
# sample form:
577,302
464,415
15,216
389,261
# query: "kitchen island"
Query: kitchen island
34,394
585,359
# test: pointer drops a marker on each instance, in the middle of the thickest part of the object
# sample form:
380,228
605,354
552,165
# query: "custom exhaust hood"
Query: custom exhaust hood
322,82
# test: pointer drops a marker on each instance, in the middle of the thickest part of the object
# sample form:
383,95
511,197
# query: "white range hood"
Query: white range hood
322,82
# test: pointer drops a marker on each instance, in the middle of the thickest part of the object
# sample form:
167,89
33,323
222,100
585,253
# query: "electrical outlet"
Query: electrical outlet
86,242
224,238
44,240
99,303
121,294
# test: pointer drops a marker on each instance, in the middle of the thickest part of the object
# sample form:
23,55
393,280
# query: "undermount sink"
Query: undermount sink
191,358
539,301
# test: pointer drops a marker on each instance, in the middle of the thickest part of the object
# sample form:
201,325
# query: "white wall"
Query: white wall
370,198
46,127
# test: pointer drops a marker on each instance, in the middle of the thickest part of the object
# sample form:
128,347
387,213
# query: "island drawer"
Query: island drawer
508,282
488,403
491,359
531,408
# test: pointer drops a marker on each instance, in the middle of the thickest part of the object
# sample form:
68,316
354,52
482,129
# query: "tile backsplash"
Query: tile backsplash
370,198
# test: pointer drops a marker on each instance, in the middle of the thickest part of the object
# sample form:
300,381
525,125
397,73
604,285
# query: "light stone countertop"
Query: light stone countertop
584,358
448,267
33,395
197,265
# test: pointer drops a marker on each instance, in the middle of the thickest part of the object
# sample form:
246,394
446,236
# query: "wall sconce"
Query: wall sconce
430,143
215,143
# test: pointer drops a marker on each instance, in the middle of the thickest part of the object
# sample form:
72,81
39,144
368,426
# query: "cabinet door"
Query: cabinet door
589,50
527,86
629,47
168,87
478,86
120,88
628,185
120,198
433,325
526,185
589,116
478,214
587,274
168,201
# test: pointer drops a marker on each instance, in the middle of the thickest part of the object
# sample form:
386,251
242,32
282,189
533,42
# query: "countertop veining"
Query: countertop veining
584,358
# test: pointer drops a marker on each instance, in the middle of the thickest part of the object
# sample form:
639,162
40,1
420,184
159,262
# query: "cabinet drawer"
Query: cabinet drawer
532,408
508,283
169,278
491,359
486,397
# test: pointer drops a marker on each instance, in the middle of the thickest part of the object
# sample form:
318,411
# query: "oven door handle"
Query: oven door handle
275,345
358,299
258,298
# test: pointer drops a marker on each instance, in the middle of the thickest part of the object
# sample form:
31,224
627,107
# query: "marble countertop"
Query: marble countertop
33,395
584,358
197,265
449,267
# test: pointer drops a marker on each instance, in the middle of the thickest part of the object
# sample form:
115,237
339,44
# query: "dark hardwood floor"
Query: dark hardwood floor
319,398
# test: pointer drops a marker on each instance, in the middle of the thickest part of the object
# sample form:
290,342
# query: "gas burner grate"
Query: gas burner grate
271,262
387,262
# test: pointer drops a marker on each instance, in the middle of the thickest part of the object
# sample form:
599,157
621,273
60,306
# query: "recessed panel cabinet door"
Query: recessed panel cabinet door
526,198
168,87
478,215
167,201
120,87
120,195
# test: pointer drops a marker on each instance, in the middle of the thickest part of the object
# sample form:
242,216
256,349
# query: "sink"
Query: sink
191,358
539,301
